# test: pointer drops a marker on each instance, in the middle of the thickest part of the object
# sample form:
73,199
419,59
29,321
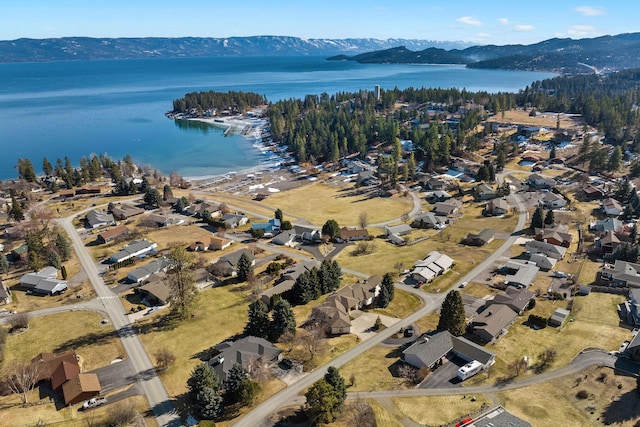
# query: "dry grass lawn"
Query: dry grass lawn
404,303
319,202
613,401
14,415
376,369
438,410
96,344
384,417
548,121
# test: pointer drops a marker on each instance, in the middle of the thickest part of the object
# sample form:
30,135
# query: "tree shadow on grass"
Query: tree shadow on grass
626,408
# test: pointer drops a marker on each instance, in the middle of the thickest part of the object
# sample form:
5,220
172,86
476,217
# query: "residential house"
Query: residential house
158,220
270,227
398,230
245,352
199,209
5,294
611,207
553,201
493,321
44,282
519,274
555,236
543,262
307,234
633,349
621,274
156,291
125,211
435,184
538,181
482,238
367,177
231,220
484,191
592,192
603,225
552,251
112,234
64,373
498,417
294,271
607,243
98,218
230,261
198,246
144,272
433,265
496,207
429,220
21,253
354,167
218,243
286,238
423,274
135,248
437,196
516,299
278,290
559,317
352,234
431,349
447,208
633,307
396,240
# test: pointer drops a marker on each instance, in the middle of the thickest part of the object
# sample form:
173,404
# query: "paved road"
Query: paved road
150,383
258,416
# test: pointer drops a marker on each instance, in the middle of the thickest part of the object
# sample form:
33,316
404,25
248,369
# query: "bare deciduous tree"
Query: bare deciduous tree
407,373
313,341
164,358
363,220
359,413
21,378
123,414
290,340
19,321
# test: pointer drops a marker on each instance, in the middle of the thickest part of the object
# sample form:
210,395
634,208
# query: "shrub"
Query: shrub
582,394
537,320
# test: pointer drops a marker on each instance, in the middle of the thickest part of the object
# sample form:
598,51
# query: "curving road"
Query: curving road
150,383
258,416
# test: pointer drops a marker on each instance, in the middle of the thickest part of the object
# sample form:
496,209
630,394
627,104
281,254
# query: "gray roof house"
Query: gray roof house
44,282
98,218
398,230
621,274
543,262
429,349
143,272
243,352
496,207
559,317
429,220
5,294
447,208
607,224
494,320
482,238
519,274
498,417
133,249
286,238
516,299
538,181
553,201
233,258
552,251
484,192
231,220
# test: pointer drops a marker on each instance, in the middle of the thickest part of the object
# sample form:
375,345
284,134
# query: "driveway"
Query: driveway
446,375
361,325
116,375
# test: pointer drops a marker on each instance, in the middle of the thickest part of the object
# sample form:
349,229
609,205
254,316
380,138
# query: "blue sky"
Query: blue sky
483,22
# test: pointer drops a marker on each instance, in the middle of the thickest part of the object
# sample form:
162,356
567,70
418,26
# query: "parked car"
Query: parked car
464,422
463,284
418,285
94,402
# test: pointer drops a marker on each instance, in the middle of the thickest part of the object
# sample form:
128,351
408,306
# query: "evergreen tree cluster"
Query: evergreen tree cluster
259,324
452,315
387,291
205,393
233,101
311,284
326,397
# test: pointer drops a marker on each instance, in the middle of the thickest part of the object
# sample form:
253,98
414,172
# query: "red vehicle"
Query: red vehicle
464,422
419,285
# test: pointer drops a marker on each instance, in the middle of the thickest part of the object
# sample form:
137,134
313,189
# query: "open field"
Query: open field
595,324
96,344
15,415
611,401
548,121
439,410
384,417
323,202
376,369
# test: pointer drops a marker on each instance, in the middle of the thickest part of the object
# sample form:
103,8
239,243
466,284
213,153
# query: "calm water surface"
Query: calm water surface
75,109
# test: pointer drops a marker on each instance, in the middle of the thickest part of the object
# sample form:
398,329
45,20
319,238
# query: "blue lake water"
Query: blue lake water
79,108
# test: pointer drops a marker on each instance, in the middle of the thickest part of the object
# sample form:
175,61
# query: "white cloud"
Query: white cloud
484,35
590,10
469,20
503,21
524,27
581,30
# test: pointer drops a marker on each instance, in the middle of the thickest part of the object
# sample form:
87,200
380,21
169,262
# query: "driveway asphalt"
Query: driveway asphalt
446,375
116,375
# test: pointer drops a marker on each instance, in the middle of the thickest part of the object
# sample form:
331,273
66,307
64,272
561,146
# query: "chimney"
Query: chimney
260,349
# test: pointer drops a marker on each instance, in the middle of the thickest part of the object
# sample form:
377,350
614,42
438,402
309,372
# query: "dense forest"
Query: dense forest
236,102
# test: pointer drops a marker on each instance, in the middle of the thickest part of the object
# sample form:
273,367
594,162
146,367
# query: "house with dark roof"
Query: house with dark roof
484,191
112,234
278,290
611,207
244,352
633,307
633,349
230,261
447,208
482,238
493,321
516,299
145,271
607,243
592,192
433,347
620,274
496,207
435,184
543,262
552,251
498,417
437,196
429,220
135,248
307,234
554,235
156,291
125,211
21,253
538,181
286,238
99,218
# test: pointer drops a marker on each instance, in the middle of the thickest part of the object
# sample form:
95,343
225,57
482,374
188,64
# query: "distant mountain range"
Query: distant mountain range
566,56
86,48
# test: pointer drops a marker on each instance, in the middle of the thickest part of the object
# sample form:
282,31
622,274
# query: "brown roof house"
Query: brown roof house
556,236
516,299
496,207
126,211
352,234
156,291
80,388
218,243
482,238
493,321
112,234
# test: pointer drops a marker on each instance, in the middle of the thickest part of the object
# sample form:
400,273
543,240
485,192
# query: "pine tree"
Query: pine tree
383,299
63,246
335,380
537,218
387,282
4,263
202,377
15,212
152,197
209,404
322,401
452,316
245,267
306,287
283,319
549,219
234,377
54,260
258,320
278,214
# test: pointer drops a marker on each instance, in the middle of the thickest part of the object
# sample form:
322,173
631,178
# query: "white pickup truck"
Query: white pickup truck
94,402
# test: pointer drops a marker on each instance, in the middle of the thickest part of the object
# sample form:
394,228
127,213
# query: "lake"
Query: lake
75,109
